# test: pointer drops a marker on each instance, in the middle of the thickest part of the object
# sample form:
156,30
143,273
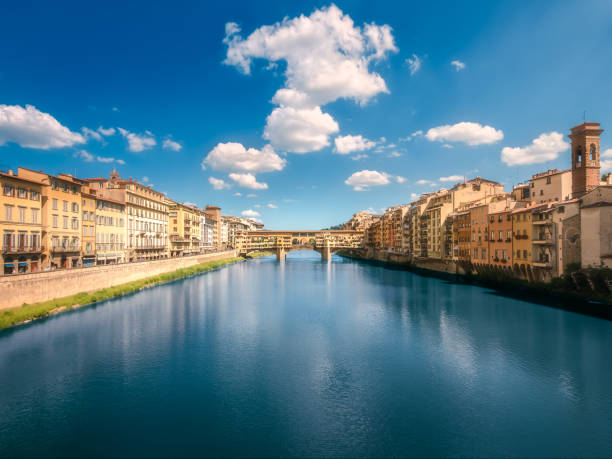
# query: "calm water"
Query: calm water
308,359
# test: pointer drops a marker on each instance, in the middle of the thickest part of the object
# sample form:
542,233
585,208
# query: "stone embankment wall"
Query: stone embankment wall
43,286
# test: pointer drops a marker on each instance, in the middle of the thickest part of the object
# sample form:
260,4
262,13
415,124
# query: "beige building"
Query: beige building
111,231
146,215
596,227
551,186
88,226
214,214
20,223
184,228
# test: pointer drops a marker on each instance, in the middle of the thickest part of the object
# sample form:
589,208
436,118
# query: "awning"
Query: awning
22,263
9,265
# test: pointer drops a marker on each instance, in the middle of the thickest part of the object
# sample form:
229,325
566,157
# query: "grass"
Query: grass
28,312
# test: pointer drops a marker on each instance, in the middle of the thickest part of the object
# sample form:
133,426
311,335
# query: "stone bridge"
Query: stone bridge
326,242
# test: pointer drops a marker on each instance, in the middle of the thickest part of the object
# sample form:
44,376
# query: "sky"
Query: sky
302,113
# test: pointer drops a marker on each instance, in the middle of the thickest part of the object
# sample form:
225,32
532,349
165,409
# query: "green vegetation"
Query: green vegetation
28,312
258,254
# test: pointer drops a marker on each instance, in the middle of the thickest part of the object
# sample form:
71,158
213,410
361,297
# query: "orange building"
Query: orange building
479,229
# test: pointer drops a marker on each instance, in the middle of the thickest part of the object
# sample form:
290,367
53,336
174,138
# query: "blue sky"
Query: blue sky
265,106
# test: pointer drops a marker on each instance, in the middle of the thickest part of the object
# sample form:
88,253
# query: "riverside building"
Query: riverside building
111,231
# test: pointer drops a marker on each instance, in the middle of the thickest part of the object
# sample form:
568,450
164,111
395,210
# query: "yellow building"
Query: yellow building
88,224
184,229
522,229
20,223
61,219
111,231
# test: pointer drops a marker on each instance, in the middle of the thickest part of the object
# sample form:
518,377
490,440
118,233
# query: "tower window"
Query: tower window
579,154
593,152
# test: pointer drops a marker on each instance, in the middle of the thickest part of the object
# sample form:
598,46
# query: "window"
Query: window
518,254
22,214
85,216
54,204
54,221
579,154
65,222
541,192
548,180
8,212
75,207
34,215
484,253
22,193
34,195
594,152
75,223
475,253
65,206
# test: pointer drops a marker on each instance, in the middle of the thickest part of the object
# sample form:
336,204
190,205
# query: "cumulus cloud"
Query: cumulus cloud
248,181
466,132
400,179
299,130
138,142
606,160
327,58
363,180
451,178
219,184
272,206
234,157
84,155
104,159
350,143
106,132
120,161
458,65
250,213
545,148
414,64
414,196
237,193
89,134
170,144
424,182
31,128
358,157
251,195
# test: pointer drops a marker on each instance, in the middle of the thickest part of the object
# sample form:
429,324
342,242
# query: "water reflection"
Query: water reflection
308,358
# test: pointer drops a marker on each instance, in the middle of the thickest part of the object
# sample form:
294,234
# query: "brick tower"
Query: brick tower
585,158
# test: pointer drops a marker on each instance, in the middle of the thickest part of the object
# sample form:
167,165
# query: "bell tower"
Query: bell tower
585,158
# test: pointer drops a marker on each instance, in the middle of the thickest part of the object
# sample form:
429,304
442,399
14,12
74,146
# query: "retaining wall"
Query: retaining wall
43,286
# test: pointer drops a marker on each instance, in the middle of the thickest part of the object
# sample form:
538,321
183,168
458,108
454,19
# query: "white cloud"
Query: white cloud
424,182
103,159
170,144
84,155
414,64
545,148
237,193
466,132
458,65
248,181
138,142
358,157
350,143
219,184
234,157
251,195
31,128
363,180
451,178
272,206
394,154
606,160
257,206
299,130
327,56
250,213
89,134
115,109
400,179
120,161
414,196
106,132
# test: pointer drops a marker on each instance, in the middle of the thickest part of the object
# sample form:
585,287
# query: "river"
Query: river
306,358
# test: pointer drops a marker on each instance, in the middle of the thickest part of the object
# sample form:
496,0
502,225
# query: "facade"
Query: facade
596,227
214,213
88,226
479,241
146,215
585,158
20,224
361,221
111,231
521,241
207,227
551,186
461,228
184,227
500,238
61,219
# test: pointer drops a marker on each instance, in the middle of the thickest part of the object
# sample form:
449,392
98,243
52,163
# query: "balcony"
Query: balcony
151,247
542,264
66,249
22,249
542,222
543,240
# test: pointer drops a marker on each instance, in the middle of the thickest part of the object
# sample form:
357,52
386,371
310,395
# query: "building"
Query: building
500,238
61,219
214,213
551,186
146,214
88,226
461,228
596,227
361,221
521,241
184,227
111,231
479,241
20,223
207,229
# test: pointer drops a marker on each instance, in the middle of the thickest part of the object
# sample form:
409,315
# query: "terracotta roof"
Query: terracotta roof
16,177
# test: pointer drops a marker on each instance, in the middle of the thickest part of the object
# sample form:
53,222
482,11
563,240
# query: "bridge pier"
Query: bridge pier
281,254
325,254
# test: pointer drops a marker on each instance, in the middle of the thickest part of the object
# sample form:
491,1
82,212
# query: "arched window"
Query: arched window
579,154
593,152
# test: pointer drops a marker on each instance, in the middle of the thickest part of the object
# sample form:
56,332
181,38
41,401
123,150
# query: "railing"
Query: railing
150,247
22,249
63,249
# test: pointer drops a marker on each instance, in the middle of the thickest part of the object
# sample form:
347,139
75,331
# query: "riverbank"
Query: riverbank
29,312
557,294
259,254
